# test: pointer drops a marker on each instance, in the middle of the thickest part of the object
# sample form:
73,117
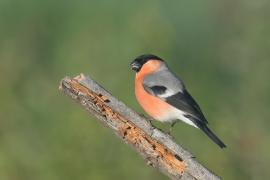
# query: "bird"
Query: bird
164,96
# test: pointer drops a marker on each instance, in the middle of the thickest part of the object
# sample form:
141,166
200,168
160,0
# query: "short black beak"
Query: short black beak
135,66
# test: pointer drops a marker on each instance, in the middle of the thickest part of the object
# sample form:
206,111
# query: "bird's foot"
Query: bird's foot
148,119
144,116
169,134
170,130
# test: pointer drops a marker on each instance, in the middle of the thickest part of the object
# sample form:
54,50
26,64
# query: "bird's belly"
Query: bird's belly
159,109
155,107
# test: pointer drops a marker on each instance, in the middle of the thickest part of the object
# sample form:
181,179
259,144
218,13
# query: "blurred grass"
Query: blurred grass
219,48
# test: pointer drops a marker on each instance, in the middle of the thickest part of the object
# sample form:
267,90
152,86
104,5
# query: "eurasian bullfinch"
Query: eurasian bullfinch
164,96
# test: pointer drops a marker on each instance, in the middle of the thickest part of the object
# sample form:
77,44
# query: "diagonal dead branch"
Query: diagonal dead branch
157,148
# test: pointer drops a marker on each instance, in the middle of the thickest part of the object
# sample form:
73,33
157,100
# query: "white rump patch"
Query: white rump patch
176,114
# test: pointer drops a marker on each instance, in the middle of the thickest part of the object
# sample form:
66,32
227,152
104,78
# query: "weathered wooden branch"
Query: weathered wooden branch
156,147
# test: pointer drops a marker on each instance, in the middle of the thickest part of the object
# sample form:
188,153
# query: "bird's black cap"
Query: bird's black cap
138,62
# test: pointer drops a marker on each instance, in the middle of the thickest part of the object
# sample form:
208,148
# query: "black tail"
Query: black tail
212,136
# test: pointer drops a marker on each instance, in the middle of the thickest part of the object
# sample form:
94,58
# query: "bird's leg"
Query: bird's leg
170,130
148,119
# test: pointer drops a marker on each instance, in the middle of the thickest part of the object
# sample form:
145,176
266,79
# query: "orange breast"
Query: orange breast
152,105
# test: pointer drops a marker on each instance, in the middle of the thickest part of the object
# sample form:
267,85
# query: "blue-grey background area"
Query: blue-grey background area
219,48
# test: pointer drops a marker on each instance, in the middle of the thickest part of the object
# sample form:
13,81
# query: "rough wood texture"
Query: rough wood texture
157,148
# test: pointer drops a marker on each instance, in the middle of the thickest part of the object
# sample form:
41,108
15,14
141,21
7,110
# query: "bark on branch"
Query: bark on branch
156,147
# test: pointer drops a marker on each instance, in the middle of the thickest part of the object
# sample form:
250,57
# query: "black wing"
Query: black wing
181,100
185,102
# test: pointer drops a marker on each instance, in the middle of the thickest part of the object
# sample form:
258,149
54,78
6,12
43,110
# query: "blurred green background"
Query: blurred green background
220,48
